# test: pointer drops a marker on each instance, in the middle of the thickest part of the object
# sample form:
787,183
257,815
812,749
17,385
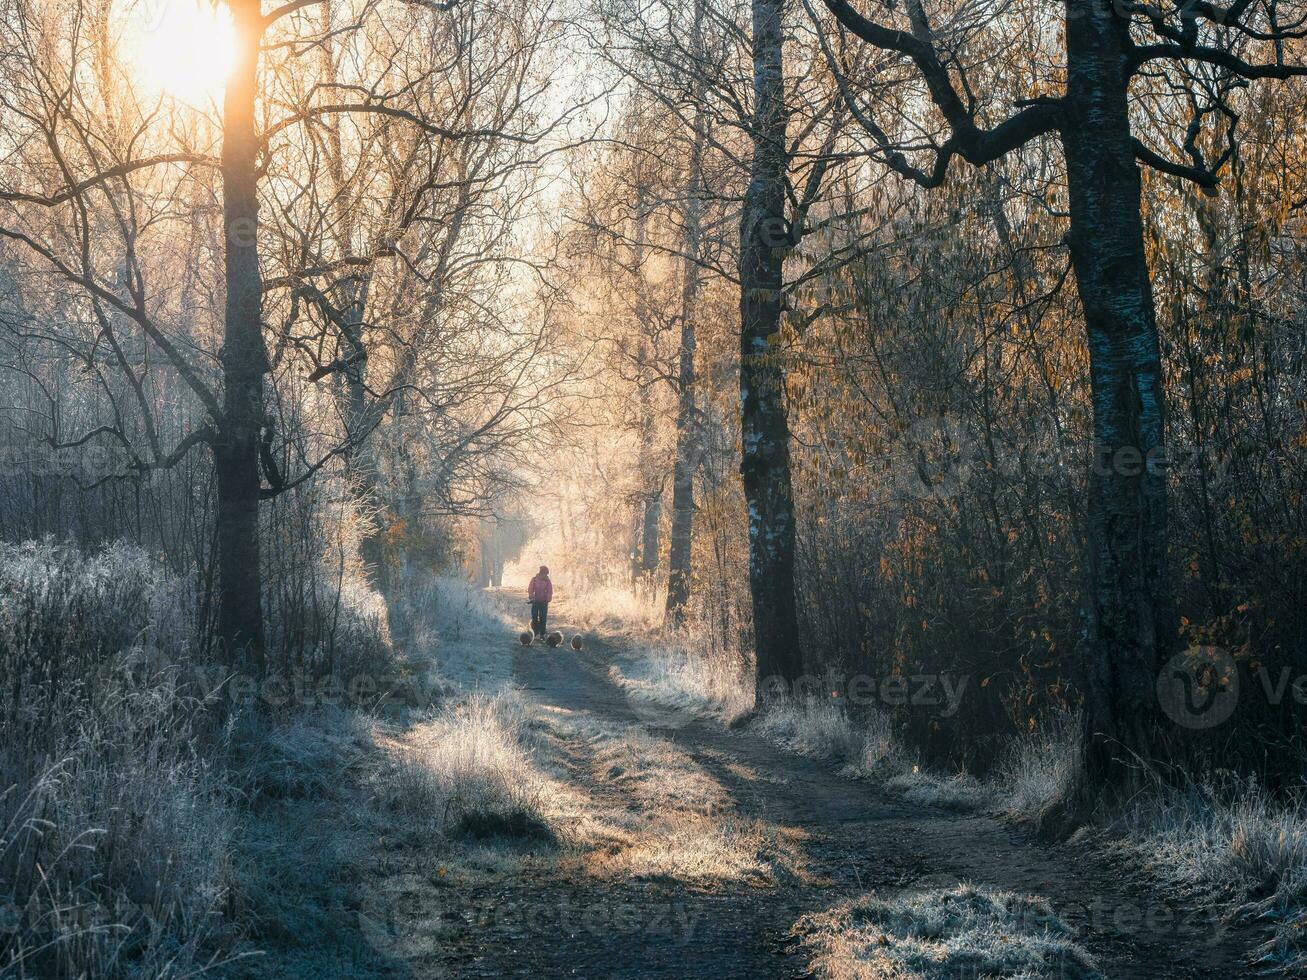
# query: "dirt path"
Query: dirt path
827,838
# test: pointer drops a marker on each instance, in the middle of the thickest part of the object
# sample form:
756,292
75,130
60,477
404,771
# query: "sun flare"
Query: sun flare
182,48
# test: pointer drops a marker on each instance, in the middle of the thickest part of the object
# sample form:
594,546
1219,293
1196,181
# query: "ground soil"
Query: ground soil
551,918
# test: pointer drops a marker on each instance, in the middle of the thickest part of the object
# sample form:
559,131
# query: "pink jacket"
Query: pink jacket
541,589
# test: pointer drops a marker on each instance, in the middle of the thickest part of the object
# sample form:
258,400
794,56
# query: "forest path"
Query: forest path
821,838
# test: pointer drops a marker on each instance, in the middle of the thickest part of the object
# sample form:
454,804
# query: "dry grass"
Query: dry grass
1233,846
696,850
115,829
647,768
944,934
677,672
616,609
467,771
637,806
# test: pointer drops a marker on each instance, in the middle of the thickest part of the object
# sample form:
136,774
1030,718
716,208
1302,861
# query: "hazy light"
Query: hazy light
182,48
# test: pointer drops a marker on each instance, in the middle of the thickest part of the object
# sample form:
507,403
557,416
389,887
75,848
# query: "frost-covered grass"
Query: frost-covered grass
814,727
467,771
115,831
819,728
944,934
304,756
686,675
305,832
1038,771
149,826
1230,844
614,608
958,791
458,634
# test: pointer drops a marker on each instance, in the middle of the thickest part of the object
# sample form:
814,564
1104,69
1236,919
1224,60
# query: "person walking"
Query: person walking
540,593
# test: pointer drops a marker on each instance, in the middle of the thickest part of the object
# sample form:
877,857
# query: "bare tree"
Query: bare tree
96,197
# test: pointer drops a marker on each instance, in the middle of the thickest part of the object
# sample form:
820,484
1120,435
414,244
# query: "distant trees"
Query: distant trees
398,247
646,244
671,58
680,570
697,65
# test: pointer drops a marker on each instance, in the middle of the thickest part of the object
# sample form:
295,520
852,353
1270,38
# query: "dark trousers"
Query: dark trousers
539,617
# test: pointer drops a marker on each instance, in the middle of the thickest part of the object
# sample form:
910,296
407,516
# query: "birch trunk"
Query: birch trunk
765,463
1127,486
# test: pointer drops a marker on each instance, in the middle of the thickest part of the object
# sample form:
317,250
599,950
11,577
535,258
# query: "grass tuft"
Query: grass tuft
467,771
943,934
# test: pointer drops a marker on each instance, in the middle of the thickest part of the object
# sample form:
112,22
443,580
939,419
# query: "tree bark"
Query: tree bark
651,476
649,543
244,358
1130,606
765,463
681,547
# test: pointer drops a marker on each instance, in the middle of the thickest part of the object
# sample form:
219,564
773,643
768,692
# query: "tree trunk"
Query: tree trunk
352,295
681,550
244,358
651,482
650,526
1127,484
765,463
363,416
652,475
